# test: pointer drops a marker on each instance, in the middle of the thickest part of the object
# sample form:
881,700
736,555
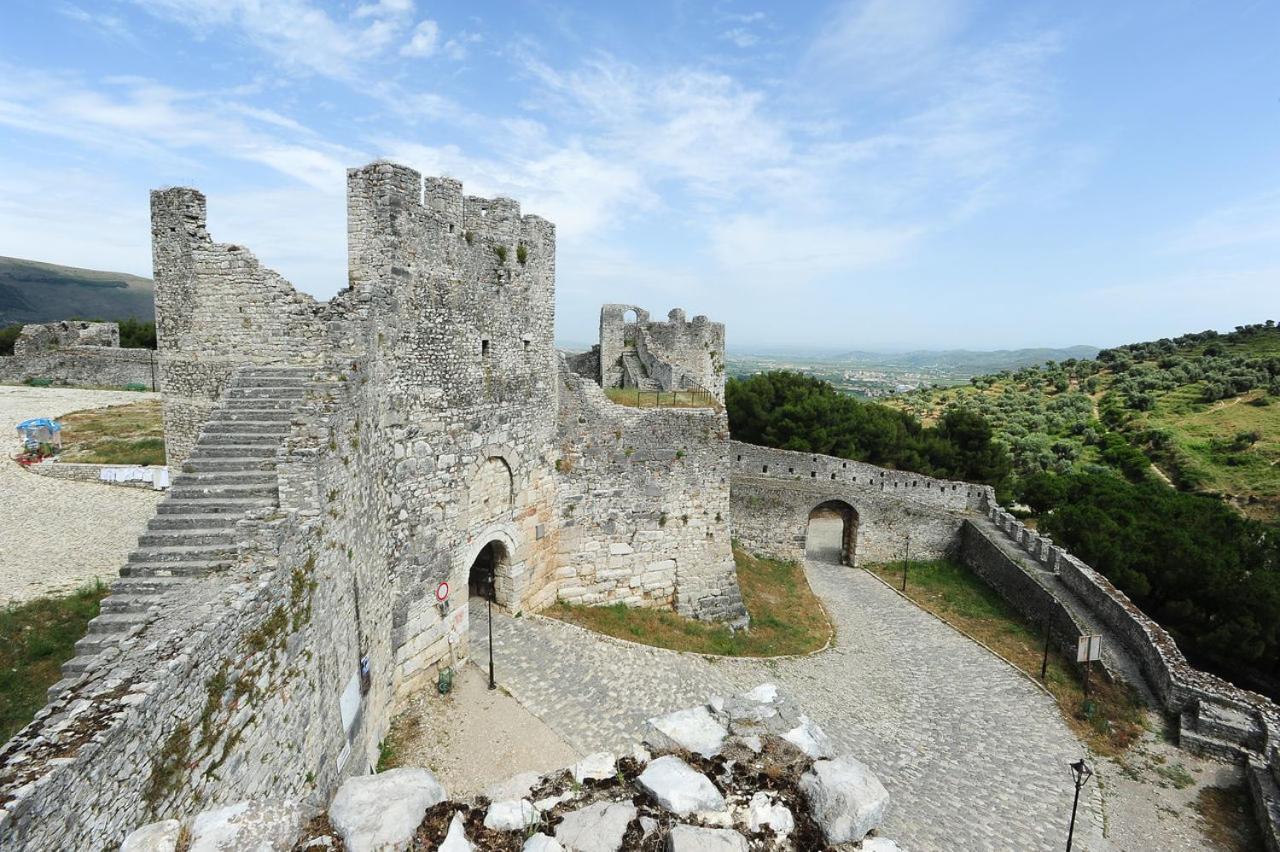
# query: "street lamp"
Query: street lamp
1080,774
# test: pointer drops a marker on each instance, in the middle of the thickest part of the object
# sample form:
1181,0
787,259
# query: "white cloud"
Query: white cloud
1255,222
423,42
880,42
110,25
136,117
741,37
778,254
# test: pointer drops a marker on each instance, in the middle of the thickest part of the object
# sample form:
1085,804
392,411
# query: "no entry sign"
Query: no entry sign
442,592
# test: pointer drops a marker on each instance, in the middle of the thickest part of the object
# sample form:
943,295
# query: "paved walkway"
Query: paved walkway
55,534
974,755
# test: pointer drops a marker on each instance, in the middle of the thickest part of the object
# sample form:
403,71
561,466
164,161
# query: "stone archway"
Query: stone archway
831,533
485,569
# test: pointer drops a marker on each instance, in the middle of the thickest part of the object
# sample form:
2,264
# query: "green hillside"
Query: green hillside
31,291
1200,412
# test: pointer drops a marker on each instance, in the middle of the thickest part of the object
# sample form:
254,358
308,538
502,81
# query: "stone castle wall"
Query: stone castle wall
93,366
216,307
644,505
50,337
678,354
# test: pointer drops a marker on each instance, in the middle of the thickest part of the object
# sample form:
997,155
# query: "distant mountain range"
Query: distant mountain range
31,291
968,360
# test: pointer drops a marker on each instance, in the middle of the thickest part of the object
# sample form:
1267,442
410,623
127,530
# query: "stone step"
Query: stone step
1205,745
189,537
264,402
125,586
1230,725
226,463
262,450
117,603
244,382
92,644
225,477
115,622
215,491
181,553
174,569
224,520
209,440
256,414
204,506
277,428
280,370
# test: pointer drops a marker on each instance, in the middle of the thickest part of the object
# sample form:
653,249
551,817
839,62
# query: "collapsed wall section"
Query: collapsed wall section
643,505
216,307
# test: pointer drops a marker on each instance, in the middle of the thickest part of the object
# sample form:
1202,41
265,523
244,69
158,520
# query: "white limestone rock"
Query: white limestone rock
379,813
810,739
541,843
515,787
258,826
694,730
153,837
456,838
551,801
765,693
845,798
762,812
880,844
512,815
691,838
752,743
594,767
595,828
679,787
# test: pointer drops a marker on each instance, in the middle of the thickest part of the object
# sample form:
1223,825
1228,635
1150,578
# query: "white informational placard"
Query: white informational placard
1089,648
349,703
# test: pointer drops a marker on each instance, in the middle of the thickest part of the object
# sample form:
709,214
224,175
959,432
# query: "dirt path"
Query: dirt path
57,535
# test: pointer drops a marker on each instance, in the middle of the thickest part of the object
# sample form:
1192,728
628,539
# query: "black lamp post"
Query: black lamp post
1080,774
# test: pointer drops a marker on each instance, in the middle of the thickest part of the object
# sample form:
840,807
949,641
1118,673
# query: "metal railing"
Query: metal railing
698,397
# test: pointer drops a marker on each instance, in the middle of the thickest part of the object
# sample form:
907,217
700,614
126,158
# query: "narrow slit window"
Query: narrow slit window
484,349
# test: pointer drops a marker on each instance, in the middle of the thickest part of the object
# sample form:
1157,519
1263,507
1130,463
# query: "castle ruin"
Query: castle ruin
353,469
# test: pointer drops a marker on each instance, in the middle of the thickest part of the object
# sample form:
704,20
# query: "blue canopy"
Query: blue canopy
39,423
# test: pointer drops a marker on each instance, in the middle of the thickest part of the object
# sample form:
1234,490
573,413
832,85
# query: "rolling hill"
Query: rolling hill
31,291
1200,412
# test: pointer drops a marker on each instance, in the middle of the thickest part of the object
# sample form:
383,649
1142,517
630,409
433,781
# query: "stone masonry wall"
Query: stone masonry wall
459,292
216,307
695,348
93,366
644,505
50,337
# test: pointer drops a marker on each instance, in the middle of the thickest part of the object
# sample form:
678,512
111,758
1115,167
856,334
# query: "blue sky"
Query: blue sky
868,174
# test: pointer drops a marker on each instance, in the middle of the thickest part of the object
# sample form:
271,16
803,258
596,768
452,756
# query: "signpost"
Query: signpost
1088,649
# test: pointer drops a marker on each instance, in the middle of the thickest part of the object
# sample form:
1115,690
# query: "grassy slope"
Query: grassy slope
786,617
118,434
957,595
31,291
1250,478
35,639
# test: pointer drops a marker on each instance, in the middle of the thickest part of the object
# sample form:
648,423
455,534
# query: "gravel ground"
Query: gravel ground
58,535
448,733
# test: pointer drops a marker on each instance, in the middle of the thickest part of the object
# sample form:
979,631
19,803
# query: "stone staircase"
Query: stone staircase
231,471
1218,730
634,373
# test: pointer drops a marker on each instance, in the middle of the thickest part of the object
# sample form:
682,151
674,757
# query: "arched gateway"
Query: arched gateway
832,533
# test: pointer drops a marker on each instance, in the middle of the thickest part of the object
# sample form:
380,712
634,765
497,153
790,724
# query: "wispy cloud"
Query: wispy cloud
1250,223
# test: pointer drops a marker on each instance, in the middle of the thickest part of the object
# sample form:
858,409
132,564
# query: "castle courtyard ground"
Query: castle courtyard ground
59,534
973,753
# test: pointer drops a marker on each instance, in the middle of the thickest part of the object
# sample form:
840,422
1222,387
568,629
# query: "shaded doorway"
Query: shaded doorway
831,534
482,579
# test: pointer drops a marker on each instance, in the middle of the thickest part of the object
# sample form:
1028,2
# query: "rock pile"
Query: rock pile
736,775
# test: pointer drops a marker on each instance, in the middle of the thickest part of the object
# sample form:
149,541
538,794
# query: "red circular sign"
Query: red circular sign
442,591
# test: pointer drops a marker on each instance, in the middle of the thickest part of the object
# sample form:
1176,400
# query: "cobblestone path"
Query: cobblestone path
974,756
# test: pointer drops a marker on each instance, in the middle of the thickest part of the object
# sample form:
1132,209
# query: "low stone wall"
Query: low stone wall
859,477
92,366
1032,600
771,516
91,473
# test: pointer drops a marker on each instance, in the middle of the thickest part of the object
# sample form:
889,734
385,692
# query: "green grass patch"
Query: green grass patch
659,399
36,638
1109,721
118,434
786,617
